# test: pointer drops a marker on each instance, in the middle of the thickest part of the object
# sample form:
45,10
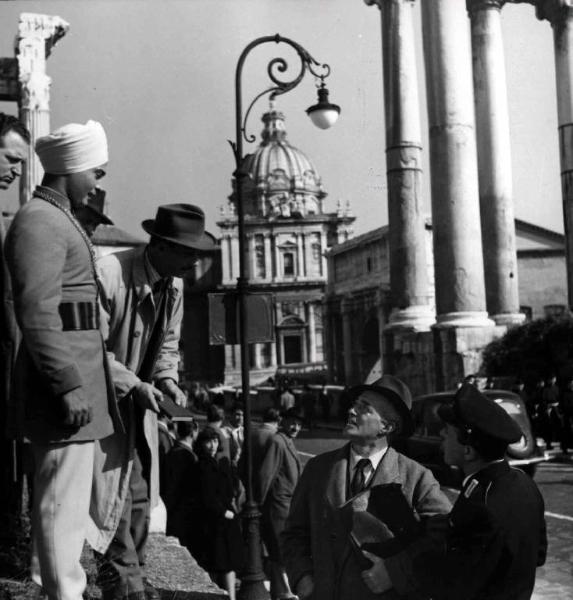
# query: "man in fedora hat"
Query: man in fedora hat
493,540
317,547
142,309
276,480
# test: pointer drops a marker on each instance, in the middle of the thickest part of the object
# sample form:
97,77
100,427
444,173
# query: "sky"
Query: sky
159,75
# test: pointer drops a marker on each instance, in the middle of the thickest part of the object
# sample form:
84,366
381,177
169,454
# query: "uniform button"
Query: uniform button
136,333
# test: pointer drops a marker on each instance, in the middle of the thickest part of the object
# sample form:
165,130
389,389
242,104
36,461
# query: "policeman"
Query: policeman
493,540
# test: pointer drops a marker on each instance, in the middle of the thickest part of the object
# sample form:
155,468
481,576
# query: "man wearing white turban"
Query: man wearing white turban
62,386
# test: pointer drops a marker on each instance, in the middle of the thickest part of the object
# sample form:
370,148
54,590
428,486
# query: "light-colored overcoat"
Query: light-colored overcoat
315,540
128,316
50,263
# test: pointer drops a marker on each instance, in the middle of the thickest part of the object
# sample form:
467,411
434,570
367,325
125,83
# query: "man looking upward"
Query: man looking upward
316,544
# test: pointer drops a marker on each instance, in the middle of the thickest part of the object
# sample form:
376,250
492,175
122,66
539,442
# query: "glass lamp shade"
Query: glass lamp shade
323,114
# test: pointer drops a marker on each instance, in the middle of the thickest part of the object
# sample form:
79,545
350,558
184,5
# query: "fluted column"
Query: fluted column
408,272
268,258
225,254
37,35
459,276
494,162
323,259
234,256
560,14
276,265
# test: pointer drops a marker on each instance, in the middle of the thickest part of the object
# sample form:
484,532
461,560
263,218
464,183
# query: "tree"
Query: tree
532,351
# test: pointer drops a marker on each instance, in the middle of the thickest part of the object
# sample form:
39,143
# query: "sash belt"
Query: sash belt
79,316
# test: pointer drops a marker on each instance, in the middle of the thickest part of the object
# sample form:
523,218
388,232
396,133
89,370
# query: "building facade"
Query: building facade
288,231
358,302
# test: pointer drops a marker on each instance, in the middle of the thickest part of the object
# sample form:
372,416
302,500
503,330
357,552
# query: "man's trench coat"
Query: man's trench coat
127,318
315,540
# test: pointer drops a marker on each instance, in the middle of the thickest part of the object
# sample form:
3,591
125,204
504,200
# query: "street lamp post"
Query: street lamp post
323,115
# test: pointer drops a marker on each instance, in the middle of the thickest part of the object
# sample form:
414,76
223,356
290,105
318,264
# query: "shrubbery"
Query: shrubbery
532,351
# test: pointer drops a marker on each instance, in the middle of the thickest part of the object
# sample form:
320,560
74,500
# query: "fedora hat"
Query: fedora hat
182,224
394,391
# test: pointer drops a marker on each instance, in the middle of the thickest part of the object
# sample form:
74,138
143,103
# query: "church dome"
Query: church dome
283,181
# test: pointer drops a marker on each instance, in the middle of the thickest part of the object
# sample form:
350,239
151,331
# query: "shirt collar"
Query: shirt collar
374,458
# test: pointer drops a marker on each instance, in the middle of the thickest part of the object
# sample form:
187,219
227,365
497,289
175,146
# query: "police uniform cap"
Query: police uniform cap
478,414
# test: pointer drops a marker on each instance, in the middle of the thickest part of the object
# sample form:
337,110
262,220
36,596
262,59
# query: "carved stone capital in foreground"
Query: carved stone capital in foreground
49,28
555,11
37,35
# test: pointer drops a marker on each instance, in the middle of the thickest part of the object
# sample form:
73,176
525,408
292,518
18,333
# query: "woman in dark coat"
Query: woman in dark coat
181,496
222,544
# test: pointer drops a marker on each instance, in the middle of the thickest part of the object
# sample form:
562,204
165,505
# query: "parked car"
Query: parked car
425,444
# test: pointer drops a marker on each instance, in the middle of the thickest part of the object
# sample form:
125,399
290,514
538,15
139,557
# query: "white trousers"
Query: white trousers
62,489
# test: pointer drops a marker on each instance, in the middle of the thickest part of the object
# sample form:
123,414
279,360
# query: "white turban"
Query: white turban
73,148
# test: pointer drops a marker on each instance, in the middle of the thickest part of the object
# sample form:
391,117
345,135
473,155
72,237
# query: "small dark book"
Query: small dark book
175,412
381,521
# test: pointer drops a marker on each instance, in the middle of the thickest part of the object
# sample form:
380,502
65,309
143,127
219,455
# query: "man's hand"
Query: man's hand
77,411
229,514
305,587
147,396
173,391
376,577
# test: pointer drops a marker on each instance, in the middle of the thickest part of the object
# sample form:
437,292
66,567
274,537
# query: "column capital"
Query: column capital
48,28
379,3
555,11
474,6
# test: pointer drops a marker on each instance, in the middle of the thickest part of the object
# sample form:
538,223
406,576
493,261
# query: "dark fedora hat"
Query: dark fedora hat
396,392
182,224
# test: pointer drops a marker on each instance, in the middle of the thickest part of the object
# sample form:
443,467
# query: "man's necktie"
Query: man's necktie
359,480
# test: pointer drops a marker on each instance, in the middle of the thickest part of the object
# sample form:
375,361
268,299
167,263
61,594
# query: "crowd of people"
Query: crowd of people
91,350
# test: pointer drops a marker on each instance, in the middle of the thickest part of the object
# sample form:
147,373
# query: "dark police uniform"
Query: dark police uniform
496,536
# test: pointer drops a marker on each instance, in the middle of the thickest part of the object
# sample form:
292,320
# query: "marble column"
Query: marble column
234,256
273,353
310,320
494,162
299,256
408,270
323,259
560,14
268,258
37,35
276,264
459,275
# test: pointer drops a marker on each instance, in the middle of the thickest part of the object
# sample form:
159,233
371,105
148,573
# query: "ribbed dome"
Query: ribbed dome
283,181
